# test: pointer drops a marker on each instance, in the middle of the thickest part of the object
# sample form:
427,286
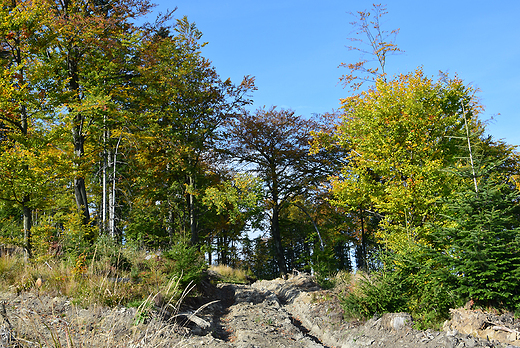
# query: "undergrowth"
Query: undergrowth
232,275
105,274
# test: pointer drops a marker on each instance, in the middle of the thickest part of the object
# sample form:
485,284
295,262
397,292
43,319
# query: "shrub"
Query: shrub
374,295
186,262
413,282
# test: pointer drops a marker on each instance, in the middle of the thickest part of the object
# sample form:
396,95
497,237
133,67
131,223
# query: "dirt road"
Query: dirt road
289,313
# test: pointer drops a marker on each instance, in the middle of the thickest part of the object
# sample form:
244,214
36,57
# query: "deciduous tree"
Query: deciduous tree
274,144
23,38
402,135
88,52
186,105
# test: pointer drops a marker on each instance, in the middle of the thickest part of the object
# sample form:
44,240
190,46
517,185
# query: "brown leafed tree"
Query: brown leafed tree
275,145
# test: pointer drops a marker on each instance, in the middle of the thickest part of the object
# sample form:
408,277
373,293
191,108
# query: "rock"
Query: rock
483,325
396,321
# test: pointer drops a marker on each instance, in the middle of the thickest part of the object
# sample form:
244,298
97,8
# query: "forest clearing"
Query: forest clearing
129,166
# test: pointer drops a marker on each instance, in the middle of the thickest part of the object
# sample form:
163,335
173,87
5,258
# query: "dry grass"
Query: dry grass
230,275
76,327
95,281
98,282
345,281
150,324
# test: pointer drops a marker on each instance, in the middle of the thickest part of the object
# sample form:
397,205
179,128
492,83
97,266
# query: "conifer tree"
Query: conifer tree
480,243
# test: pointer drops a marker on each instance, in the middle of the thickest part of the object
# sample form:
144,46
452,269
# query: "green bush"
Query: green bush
414,282
186,262
374,295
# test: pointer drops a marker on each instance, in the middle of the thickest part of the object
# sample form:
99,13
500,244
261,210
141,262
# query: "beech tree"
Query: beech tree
402,135
23,38
88,53
275,144
186,105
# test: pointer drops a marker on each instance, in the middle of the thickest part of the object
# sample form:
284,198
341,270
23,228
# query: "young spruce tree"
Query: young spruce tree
481,247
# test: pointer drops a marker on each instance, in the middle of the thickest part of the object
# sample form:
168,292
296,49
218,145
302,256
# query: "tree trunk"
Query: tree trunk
171,222
193,214
80,190
78,139
104,181
24,123
81,199
27,225
363,259
277,239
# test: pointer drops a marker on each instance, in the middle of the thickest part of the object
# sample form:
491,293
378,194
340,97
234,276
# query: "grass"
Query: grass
100,281
231,275
107,277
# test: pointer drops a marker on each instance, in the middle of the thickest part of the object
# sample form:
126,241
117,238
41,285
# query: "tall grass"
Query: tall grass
231,275
152,285
106,274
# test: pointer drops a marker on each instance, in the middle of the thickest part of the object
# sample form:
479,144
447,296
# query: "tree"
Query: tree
274,144
402,135
479,242
23,38
380,45
186,105
237,202
89,52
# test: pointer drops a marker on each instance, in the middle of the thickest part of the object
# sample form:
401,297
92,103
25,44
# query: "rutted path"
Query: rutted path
259,315
296,313
289,313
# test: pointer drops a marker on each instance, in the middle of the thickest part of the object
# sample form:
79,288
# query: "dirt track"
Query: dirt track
277,313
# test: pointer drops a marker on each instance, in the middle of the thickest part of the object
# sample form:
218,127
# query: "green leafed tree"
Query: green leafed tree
402,135
184,104
88,54
25,152
479,243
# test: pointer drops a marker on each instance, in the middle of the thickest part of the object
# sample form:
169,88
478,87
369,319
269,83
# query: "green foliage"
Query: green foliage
374,295
107,254
472,255
412,283
145,227
10,225
186,262
480,244
259,258
401,136
325,266
239,198
427,286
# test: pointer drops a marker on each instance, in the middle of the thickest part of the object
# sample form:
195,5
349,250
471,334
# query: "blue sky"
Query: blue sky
293,48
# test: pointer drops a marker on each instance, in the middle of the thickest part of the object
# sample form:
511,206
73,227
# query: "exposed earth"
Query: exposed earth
277,313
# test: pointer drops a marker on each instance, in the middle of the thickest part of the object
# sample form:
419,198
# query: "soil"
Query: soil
288,313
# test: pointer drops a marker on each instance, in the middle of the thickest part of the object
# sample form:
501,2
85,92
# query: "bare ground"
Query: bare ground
278,313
